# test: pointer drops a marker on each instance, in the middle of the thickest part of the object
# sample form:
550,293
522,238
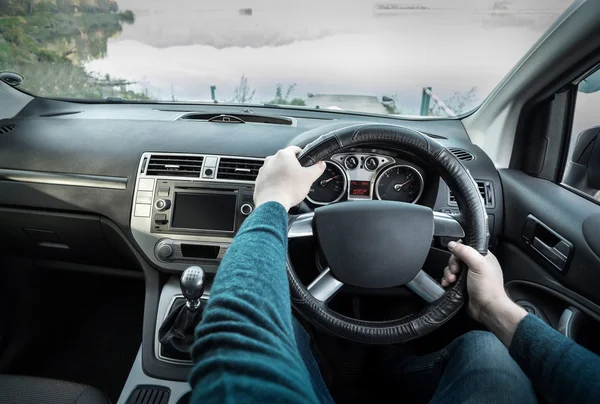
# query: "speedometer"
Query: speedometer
399,183
330,186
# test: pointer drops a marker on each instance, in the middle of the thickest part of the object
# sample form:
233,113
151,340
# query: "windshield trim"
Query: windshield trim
254,105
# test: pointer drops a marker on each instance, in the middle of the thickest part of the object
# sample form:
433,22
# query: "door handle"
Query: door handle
546,242
569,322
550,253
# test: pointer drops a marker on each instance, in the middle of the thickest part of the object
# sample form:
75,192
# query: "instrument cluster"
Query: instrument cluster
365,176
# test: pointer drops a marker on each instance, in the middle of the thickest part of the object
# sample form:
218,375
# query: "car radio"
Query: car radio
187,208
181,207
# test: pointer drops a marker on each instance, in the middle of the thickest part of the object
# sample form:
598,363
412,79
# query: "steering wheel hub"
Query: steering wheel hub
374,244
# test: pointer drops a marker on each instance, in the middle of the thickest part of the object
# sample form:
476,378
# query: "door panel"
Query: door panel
563,212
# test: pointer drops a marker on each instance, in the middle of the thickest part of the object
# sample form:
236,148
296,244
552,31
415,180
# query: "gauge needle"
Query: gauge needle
327,181
398,187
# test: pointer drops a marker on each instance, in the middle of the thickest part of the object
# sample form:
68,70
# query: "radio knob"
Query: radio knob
164,251
246,209
162,204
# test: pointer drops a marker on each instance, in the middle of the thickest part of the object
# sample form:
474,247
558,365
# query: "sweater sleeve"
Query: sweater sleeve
561,370
245,350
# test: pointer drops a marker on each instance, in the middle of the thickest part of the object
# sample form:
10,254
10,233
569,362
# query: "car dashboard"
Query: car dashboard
168,186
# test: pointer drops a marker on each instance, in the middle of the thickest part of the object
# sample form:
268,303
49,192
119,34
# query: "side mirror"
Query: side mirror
583,171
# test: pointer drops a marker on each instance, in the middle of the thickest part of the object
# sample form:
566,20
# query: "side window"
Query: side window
583,165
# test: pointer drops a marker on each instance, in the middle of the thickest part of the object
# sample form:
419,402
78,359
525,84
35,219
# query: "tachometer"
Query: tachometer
399,183
330,187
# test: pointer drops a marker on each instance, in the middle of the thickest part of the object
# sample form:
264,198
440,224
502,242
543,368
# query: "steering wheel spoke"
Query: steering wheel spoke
445,225
302,226
426,287
325,286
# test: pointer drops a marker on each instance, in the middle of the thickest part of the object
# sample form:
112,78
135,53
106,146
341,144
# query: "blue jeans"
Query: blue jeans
474,368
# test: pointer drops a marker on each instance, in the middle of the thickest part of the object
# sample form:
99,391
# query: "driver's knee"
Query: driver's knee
481,352
479,368
481,342
481,349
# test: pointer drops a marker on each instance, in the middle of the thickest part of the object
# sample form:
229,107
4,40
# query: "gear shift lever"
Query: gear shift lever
192,286
176,334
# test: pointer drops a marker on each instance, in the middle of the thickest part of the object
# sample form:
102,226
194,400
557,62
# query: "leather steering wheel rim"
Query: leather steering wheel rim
474,222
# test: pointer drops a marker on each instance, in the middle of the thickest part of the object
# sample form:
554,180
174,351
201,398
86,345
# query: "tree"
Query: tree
28,4
65,6
243,93
127,16
284,100
113,7
459,102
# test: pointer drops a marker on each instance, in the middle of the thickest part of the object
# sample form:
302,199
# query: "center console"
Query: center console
186,210
188,207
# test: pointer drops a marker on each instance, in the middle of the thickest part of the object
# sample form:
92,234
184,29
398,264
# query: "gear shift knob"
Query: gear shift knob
192,286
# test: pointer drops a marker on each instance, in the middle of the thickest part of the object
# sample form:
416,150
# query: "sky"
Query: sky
179,48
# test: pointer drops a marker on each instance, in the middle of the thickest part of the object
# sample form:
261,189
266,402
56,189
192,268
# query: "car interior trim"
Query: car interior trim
138,377
426,287
578,192
75,180
444,225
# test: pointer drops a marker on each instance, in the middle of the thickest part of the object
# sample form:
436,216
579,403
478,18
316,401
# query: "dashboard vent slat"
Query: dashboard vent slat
238,169
486,190
7,128
238,118
461,154
175,166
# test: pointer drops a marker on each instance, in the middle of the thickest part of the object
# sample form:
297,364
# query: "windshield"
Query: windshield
427,58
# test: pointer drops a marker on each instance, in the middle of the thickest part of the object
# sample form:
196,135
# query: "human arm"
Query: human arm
245,348
560,369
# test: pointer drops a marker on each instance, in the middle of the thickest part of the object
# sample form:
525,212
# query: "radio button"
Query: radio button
164,251
144,197
163,204
146,184
246,209
142,210
164,191
160,218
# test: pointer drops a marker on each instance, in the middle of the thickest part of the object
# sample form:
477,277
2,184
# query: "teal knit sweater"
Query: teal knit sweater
245,350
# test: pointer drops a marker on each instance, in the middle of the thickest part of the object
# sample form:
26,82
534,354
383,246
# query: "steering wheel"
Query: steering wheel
383,244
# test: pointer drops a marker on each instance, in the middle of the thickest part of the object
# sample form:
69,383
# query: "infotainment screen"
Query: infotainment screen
204,211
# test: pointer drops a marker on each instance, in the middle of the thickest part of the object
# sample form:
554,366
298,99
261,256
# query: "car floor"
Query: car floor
86,328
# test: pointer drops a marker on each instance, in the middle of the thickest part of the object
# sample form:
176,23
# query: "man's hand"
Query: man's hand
485,282
282,179
488,301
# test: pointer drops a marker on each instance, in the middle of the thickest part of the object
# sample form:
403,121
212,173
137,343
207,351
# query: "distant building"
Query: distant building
362,103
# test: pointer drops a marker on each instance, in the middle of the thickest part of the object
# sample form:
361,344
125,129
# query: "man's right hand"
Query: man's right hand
488,301
282,179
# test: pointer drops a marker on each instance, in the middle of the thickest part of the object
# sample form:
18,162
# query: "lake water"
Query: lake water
178,49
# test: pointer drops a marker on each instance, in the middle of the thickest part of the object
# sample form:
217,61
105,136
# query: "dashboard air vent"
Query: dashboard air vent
461,154
239,118
6,128
226,119
238,169
174,165
486,190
